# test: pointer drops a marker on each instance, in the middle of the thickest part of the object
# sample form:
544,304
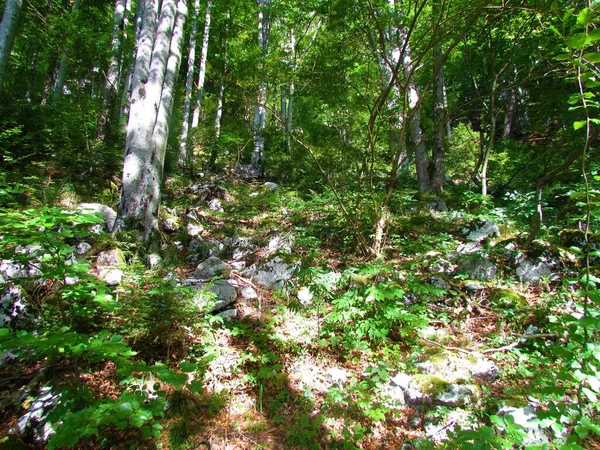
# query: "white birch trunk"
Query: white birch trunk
184,156
113,74
260,112
61,74
221,95
8,31
202,69
153,84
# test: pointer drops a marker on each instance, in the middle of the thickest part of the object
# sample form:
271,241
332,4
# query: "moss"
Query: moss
507,298
431,385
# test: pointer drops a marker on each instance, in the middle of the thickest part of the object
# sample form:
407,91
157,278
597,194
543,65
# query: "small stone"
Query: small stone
225,292
83,248
456,394
154,260
474,286
110,258
477,268
108,214
484,231
272,186
215,205
401,380
194,229
248,293
305,297
530,273
238,266
337,376
525,417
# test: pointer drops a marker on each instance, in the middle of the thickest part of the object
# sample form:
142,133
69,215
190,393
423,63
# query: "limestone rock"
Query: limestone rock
524,417
110,258
112,277
305,297
483,231
212,267
247,171
532,273
271,274
477,268
15,312
83,248
35,421
225,292
271,186
248,293
485,369
215,205
108,214
228,314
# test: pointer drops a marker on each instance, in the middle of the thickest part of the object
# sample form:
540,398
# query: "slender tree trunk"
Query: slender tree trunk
221,95
509,117
8,31
439,116
202,69
260,111
184,156
61,75
153,83
111,86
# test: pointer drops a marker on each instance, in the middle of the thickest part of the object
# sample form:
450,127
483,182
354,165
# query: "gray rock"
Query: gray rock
272,186
439,283
112,277
108,214
337,376
71,281
35,421
83,248
247,171
10,270
474,286
456,395
401,380
477,268
485,369
215,205
271,274
484,230
194,229
437,205
248,293
238,247
225,292
198,250
15,312
466,249
425,367
305,297
154,260
442,266
238,266
110,258
524,417
170,224
458,418
212,267
280,243
532,273
228,314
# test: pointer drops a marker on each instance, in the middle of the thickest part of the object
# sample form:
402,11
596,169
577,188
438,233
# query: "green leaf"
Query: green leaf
593,57
577,41
585,17
579,124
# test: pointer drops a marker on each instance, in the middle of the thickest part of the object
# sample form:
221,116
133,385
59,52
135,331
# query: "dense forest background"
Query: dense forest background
316,224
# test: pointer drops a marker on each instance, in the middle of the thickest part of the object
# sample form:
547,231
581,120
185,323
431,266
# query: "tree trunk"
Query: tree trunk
221,95
113,74
8,31
184,156
439,116
202,70
126,96
61,74
154,77
260,111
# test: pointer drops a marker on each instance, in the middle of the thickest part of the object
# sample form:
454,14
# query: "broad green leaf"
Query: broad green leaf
577,41
579,124
593,57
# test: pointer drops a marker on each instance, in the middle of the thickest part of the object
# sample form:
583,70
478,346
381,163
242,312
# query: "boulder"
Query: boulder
215,205
526,418
477,268
112,277
533,272
485,370
35,422
212,267
108,214
225,294
228,314
456,395
238,247
83,248
280,243
442,266
271,274
484,230
110,258
15,312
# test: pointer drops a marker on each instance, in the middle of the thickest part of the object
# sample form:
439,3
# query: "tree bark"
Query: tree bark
439,114
221,95
8,31
61,74
260,111
113,74
184,156
202,69
126,96
153,84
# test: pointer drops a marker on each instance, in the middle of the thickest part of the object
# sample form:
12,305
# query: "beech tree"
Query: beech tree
8,31
153,85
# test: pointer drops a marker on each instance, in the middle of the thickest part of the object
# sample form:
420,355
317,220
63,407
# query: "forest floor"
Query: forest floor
392,353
